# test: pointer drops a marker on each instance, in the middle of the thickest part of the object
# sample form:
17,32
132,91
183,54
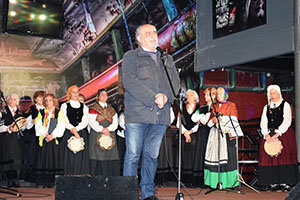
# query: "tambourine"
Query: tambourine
273,148
19,123
75,144
106,142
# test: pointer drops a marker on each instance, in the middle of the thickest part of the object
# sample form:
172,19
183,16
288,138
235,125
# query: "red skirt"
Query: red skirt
288,153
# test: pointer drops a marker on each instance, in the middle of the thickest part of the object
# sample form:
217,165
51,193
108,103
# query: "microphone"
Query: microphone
162,52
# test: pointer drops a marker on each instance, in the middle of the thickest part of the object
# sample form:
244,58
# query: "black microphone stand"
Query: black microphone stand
220,133
163,57
239,177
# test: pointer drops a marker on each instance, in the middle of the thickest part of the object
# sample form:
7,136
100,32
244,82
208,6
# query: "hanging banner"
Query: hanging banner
230,16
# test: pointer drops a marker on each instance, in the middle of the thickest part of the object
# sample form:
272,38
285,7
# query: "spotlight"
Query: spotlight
12,13
13,1
32,16
42,17
44,5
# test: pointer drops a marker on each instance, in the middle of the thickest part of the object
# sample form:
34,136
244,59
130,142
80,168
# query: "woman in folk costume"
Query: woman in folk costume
76,115
31,114
49,127
280,171
103,120
227,159
189,130
10,149
201,116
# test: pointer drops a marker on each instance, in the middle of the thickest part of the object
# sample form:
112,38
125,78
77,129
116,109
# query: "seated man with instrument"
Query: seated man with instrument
10,149
278,165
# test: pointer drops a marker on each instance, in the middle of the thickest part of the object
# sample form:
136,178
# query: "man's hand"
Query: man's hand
161,99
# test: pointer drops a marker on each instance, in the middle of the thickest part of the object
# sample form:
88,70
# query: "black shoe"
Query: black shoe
275,188
152,198
286,188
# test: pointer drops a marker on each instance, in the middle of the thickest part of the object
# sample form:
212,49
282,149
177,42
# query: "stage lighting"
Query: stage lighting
42,17
12,13
13,1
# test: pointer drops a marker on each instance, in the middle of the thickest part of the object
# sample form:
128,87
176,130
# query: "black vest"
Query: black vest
42,111
8,118
275,116
74,114
189,124
34,111
204,109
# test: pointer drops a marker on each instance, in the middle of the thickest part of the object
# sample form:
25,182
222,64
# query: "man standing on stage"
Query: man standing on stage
148,97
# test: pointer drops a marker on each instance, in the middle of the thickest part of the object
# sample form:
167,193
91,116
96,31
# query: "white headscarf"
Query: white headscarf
277,88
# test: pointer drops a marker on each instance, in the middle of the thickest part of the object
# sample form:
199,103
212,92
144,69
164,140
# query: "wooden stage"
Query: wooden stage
163,193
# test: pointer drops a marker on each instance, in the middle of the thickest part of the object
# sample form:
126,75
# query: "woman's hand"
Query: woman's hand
49,138
105,131
73,130
268,138
275,137
187,135
187,138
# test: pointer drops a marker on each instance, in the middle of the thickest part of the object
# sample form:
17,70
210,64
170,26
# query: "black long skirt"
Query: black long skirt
10,154
49,162
200,149
76,164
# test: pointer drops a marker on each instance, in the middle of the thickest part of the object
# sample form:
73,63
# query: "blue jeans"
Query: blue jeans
145,138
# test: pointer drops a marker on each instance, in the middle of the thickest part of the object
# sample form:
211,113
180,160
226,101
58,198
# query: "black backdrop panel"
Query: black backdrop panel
264,41
88,188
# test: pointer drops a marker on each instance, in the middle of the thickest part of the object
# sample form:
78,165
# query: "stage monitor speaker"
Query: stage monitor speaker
89,188
294,193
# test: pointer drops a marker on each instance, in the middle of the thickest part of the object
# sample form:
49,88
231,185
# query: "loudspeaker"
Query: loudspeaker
294,193
104,188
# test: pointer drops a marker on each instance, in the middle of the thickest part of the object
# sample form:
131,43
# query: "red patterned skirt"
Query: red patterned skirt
284,167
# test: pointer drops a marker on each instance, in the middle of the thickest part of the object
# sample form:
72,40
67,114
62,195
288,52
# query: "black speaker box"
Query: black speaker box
294,193
102,188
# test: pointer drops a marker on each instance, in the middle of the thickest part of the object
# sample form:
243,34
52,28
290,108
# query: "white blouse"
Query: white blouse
94,124
84,121
287,118
203,118
41,130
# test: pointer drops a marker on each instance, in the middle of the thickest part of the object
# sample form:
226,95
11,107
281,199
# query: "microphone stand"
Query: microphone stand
163,57
220,133
239,177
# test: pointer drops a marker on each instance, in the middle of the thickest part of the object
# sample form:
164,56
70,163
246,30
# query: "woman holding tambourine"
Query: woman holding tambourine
76,155
278,165
10,147
103,152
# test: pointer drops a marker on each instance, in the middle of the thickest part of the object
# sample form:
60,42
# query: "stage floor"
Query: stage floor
163,193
